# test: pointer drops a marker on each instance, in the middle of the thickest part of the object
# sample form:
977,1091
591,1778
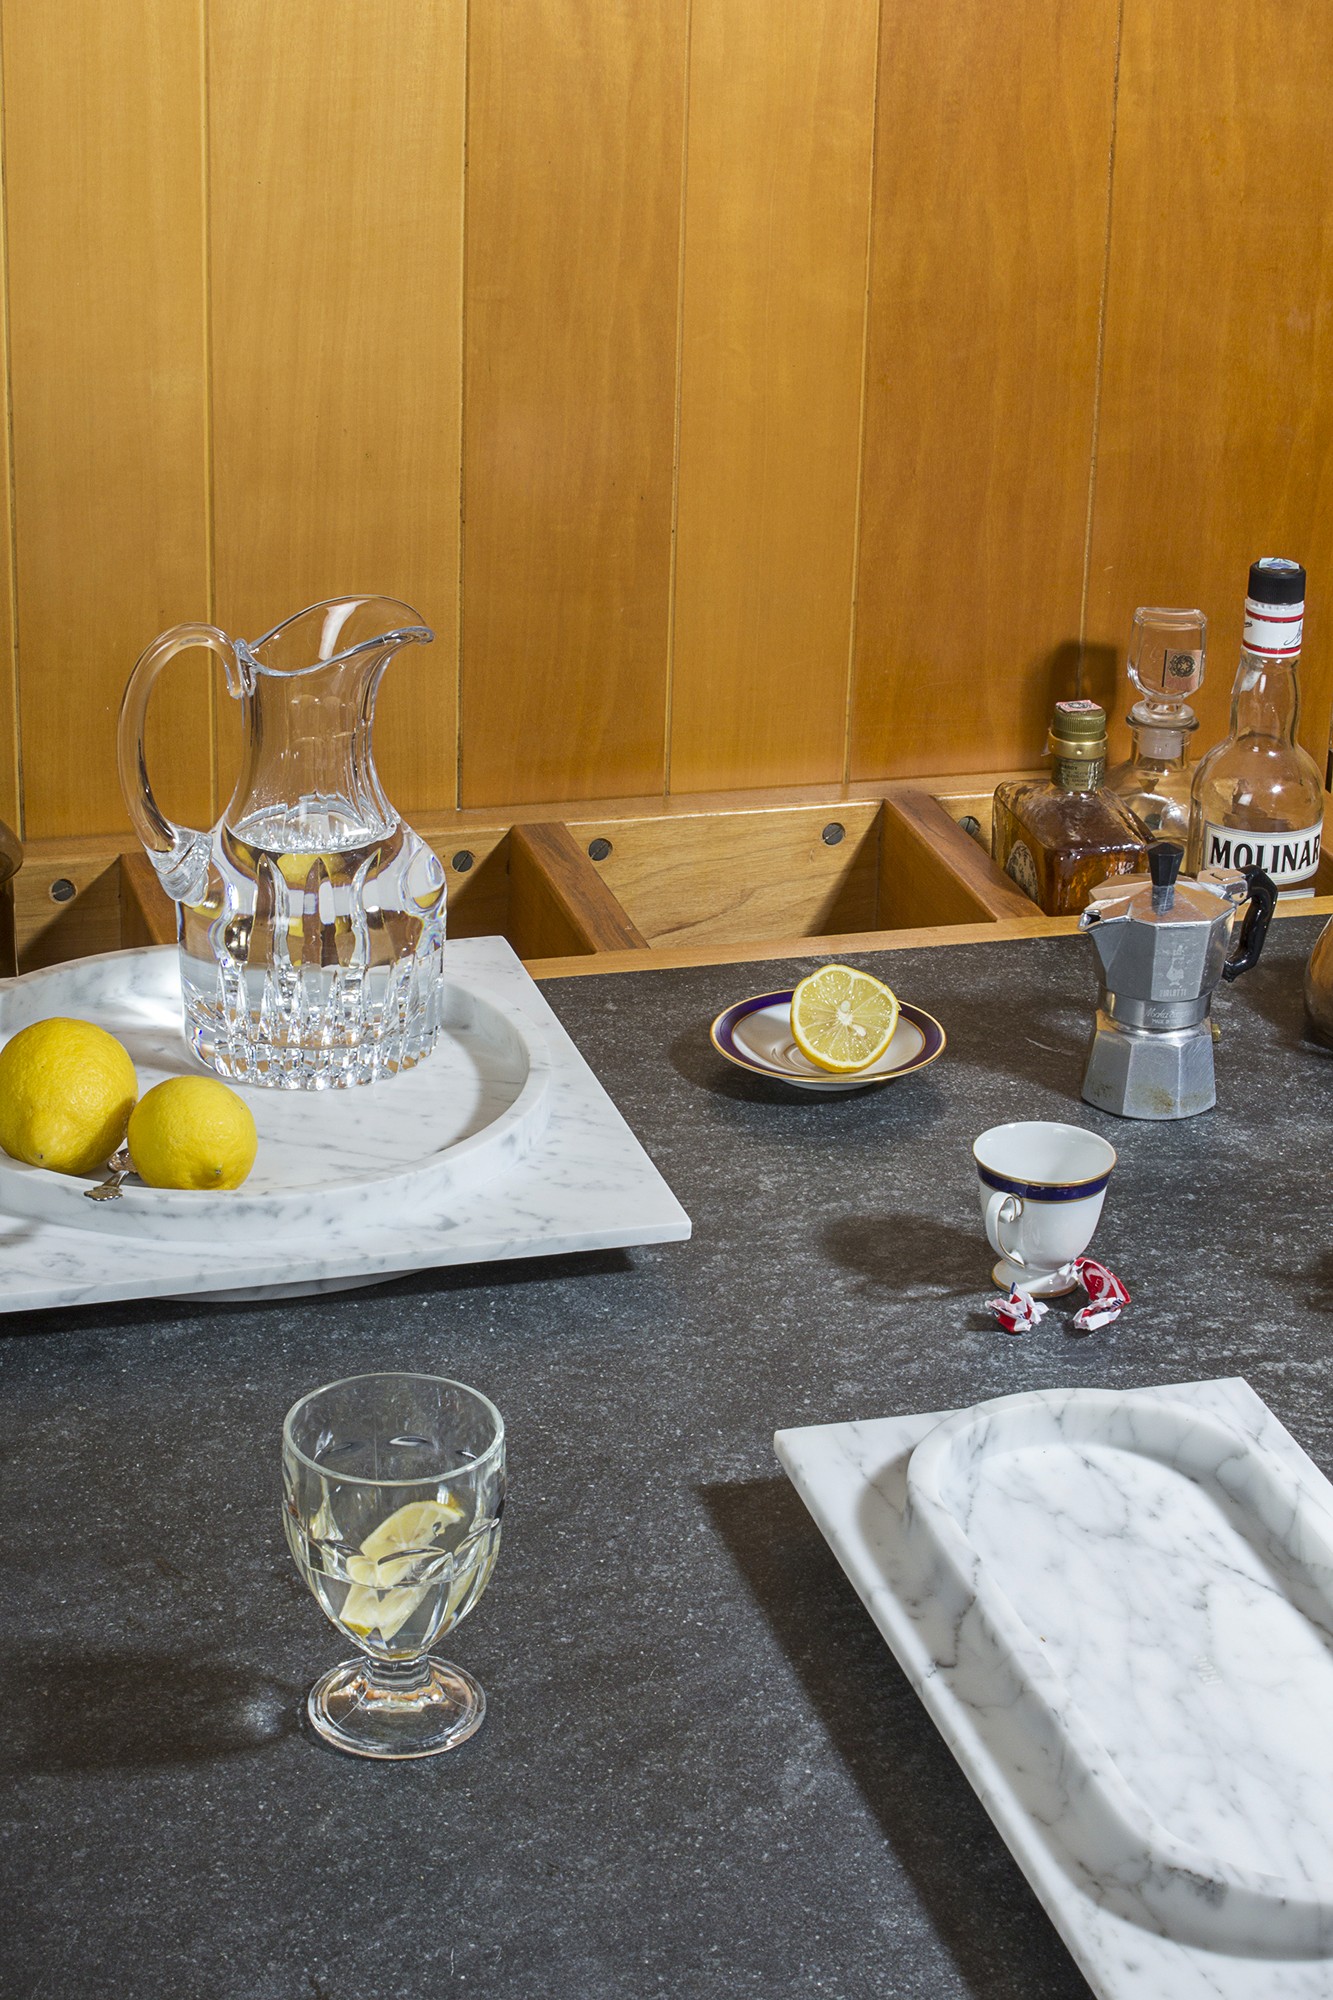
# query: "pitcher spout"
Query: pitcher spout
338,630
308,689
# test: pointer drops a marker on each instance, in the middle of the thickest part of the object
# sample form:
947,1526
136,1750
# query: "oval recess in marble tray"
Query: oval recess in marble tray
472,1109
1147,1600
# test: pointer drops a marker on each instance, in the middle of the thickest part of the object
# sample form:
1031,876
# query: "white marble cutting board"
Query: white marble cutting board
1118,1610
573,1177
473,1109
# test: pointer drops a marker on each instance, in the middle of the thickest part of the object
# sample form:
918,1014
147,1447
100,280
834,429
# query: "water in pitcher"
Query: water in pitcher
313,959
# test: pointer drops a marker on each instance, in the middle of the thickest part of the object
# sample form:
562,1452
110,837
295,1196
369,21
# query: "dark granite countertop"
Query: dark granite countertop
702,1773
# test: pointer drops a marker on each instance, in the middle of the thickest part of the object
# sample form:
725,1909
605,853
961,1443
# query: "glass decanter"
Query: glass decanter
311,918
1167,654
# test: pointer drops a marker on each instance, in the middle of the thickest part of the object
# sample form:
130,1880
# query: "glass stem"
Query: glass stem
396,1678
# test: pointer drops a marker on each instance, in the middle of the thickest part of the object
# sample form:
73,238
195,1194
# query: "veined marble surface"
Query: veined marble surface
509,1147
473,1109
1117,1607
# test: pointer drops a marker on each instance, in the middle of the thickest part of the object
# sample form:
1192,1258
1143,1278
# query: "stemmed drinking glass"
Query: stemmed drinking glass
394,1486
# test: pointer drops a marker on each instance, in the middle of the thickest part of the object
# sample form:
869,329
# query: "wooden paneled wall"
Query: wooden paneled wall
748,392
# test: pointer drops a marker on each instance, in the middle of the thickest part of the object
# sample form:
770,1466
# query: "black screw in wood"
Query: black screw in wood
463,860
599,849
62,889
833,833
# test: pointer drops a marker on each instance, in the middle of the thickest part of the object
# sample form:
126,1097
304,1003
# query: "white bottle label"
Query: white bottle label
1289,858
1274,629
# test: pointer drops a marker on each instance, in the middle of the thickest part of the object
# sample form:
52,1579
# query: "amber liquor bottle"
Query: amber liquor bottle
1058,837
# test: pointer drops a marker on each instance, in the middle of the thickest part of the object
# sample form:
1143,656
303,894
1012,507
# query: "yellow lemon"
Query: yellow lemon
841,1019
192,1132
67,1089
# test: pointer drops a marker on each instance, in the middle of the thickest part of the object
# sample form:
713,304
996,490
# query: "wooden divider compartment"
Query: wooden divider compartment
638,881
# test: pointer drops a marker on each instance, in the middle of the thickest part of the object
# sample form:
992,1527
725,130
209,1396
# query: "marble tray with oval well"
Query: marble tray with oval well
1117,1608
501,1144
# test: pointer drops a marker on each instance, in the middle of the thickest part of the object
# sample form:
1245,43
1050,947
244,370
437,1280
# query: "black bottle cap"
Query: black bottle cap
1277,580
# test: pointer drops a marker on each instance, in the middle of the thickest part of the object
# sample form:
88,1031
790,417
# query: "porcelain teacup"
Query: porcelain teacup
1042,1189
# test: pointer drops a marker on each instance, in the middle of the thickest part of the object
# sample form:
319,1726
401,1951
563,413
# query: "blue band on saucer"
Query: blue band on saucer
1043,1190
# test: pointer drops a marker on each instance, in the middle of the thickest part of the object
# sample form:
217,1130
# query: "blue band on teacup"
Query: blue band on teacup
1043,1190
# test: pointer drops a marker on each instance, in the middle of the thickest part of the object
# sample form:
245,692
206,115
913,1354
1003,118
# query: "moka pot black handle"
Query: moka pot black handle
1259,915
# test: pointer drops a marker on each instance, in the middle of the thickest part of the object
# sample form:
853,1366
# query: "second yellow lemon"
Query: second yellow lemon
192,1132
841,1019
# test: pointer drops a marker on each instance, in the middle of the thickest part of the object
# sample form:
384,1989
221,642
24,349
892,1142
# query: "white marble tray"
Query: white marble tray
1118,1610
473,1109
532,1159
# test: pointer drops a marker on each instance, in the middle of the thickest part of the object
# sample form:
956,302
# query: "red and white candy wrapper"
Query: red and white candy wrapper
1019,1312
1107,1299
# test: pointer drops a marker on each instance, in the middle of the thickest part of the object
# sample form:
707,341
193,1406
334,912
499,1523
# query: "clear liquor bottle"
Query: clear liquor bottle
1258,800
1167,651
1058,837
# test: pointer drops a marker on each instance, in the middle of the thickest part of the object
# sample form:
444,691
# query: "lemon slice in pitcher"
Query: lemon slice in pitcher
843,1020
380,1600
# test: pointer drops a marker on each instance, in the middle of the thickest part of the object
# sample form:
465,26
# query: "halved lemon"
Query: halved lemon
380,1599
841,1019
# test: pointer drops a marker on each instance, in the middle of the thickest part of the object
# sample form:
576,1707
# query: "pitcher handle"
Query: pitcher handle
180,854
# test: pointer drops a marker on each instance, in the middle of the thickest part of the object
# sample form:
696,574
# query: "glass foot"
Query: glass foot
419,1710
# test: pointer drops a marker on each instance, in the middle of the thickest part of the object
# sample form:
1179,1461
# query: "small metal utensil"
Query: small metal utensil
120,1169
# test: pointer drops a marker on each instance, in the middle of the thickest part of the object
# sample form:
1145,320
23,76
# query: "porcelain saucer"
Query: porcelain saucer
755,1034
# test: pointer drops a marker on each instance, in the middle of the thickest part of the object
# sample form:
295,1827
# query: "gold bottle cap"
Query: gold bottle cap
1078,731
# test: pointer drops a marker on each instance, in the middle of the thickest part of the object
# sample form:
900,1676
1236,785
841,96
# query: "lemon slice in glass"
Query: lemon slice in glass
843,1020
379,1599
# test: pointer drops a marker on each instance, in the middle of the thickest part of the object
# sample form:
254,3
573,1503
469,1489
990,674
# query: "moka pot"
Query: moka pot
1163,944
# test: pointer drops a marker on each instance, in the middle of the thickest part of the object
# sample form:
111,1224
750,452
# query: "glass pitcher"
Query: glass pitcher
311,919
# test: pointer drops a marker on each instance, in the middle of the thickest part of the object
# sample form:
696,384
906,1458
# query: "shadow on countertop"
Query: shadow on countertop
983,1911
211,1309
897,1252
914,1099
90,1710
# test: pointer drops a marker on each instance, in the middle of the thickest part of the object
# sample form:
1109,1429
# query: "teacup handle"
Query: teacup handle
1005,1208
180,854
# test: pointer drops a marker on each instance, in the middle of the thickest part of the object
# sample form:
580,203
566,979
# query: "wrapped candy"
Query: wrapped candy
1020,1311
1107,1299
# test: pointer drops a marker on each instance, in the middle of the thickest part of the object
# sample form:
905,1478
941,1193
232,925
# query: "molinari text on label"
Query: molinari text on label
1288,857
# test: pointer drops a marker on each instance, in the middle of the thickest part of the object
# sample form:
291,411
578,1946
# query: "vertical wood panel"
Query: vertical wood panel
336,184
574,188
988,250
1217,404
781,115
11,781
103,152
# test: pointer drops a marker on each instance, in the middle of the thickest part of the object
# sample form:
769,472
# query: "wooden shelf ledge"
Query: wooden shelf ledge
709,880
